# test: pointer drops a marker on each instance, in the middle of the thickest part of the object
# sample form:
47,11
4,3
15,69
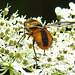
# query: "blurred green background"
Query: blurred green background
35,8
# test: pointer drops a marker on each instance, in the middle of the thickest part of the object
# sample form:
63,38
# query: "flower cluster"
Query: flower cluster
18,59
66,14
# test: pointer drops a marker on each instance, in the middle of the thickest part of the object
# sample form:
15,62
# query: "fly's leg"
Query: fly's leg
35,52
22,38
44,53
28,38
35,65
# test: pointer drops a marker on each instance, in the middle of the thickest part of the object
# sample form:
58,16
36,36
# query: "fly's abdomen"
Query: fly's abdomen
43,38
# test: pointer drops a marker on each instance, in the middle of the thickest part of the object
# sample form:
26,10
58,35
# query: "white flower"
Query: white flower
58,10
66,14
18,68
72,5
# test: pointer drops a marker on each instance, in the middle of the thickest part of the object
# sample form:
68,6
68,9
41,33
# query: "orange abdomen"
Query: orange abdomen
43,38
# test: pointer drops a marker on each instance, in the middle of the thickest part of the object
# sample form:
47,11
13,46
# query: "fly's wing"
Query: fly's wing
59,24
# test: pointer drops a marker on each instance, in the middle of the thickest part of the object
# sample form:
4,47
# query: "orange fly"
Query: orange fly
40,33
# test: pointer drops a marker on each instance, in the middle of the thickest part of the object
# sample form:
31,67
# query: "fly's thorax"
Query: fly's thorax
32,24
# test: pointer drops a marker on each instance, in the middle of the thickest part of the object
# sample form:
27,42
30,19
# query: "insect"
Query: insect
40,34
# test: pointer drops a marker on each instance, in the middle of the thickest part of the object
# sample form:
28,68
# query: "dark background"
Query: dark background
35,8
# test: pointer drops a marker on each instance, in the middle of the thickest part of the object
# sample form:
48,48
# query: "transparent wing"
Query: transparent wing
59,24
